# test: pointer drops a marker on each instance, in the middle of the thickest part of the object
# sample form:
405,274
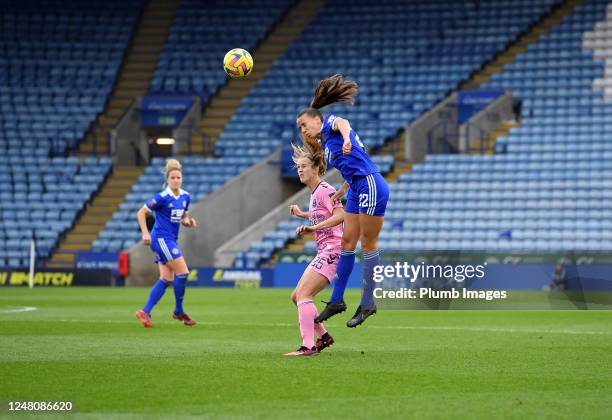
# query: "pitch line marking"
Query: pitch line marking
382,327
17,309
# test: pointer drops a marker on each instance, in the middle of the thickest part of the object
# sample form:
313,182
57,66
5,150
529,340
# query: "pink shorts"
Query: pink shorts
325,263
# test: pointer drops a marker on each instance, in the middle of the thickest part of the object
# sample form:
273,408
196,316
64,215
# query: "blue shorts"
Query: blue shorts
165,250
368,195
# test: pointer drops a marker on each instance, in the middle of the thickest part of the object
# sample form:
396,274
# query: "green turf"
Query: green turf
85,345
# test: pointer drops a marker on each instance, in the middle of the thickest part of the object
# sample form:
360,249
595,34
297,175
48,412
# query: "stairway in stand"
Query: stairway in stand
133,81
224,104
92,221
520,46
135,74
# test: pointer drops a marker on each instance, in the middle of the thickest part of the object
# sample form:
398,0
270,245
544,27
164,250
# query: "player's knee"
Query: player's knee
369,246
294,297
303,295
348,243
369,243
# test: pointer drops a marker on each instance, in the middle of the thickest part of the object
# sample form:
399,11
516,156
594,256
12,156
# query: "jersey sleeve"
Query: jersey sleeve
328,124
155,203
326,198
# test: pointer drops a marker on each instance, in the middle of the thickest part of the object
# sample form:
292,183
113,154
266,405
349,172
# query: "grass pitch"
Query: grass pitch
85,345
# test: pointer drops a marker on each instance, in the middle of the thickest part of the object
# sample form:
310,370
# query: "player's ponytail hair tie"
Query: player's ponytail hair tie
316,157
172,165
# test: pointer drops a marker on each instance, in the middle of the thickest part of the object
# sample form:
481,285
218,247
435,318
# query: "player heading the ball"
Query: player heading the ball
368,192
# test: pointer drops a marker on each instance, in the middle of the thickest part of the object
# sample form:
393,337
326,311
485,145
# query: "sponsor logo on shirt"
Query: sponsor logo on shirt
176,215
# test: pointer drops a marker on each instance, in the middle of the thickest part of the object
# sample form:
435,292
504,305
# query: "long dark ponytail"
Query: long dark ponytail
334,89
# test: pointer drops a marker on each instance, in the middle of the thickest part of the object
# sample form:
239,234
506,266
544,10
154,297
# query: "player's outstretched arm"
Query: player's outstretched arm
142,222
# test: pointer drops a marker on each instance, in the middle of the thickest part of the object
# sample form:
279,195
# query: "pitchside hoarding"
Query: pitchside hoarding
57,277
231,277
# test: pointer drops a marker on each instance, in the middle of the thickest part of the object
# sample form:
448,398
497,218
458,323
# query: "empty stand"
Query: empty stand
41,198
135,73
58,63
547,188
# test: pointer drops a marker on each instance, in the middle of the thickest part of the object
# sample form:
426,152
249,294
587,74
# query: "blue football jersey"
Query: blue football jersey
355,163
169,210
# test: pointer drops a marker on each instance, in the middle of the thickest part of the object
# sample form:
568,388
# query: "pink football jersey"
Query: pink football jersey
320,209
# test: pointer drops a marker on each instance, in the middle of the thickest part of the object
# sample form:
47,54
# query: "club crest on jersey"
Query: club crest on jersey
314,202
170,205
184,204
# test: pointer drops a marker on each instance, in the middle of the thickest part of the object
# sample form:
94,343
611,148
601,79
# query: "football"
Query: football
238,63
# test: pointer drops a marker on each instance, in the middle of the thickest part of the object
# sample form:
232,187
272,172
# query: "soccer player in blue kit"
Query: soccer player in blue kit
368,192
170,207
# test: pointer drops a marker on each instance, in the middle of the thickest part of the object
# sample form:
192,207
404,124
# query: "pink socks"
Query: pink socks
307,312
318,327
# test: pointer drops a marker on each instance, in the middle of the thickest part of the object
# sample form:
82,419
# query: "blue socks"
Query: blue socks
159,289
370,260
179,292
343,271
156,294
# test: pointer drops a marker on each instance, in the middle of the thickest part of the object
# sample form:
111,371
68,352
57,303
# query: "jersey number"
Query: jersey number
364,200
328,156
318,263
358,140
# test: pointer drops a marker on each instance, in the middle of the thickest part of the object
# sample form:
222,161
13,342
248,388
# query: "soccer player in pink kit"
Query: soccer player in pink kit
326,219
